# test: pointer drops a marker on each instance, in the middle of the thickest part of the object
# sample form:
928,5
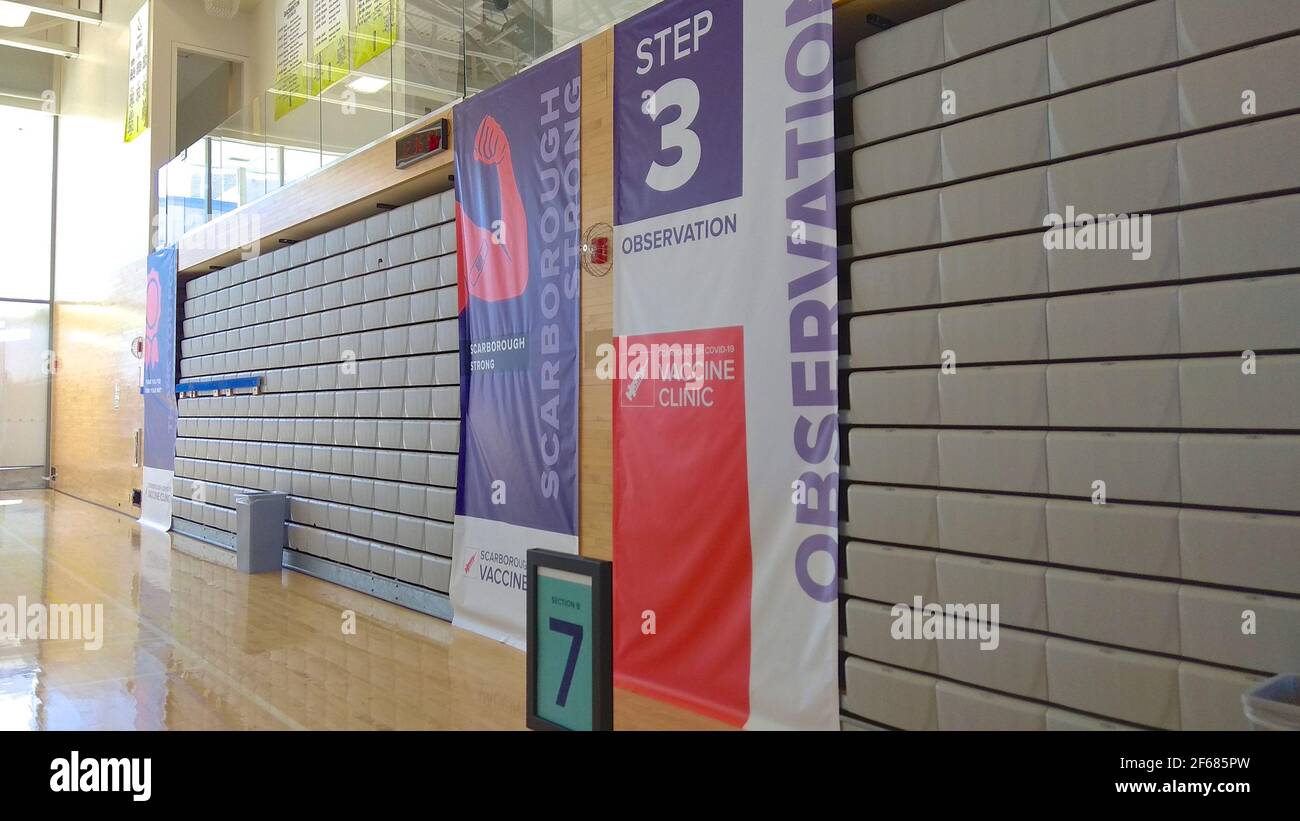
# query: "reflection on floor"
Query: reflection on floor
189,643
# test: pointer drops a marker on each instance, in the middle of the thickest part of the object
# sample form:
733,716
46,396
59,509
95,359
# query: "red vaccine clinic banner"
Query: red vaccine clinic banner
518,234
726,414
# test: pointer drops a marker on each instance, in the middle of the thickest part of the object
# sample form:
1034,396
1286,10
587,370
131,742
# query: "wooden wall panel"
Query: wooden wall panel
595,410
93,445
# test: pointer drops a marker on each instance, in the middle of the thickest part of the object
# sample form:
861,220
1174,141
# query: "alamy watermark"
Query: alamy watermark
52,622
954,622
1098,232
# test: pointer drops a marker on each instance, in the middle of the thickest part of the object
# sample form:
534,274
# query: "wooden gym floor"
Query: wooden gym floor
190,643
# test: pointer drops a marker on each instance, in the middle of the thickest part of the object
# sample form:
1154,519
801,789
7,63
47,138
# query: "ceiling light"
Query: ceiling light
13,15
365,84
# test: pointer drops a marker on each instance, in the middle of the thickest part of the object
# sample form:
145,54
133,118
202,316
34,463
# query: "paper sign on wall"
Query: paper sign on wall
291,84
137,75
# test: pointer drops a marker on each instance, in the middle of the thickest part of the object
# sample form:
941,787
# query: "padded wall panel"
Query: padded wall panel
1209,25
887,340
1213,621
995,142
977,25
894,397
1210,697
1153,258
1018,664
1132,613
1130,686
890,574
1241,549
1134,466
895,282
1130,181
995,332
897,165
898,108
1014,461
1114,394
890,696
1009,396
898,456
892,514
1127,41
1018,589
1117,323
1240,161
868,635
1240,315
1241,238
1139,108
909,221
1250,471
1124,538
995,205
993,525
992,269
966,708
1211,91
1218,393
913,46
1014,74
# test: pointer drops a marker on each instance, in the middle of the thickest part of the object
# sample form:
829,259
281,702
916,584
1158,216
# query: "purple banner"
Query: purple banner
159,387
678,101
518,234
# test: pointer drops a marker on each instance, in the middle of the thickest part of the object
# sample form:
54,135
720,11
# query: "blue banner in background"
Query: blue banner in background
159,389
518,229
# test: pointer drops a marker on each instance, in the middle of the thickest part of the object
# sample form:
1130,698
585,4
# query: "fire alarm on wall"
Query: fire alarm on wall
137,347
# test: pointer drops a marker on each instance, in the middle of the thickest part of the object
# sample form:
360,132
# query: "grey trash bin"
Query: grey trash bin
1274,704
259,531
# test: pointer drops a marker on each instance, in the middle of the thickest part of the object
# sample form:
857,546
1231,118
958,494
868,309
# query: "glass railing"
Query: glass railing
364,89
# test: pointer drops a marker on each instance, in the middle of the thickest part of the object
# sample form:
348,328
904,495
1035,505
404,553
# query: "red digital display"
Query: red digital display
417,145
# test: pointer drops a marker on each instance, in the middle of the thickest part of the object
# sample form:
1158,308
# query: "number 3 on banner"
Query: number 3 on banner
574,632
683,94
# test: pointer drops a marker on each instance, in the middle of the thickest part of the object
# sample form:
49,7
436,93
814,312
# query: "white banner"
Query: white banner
726,465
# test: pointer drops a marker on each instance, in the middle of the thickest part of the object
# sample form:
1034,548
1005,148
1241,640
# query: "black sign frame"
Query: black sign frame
601,574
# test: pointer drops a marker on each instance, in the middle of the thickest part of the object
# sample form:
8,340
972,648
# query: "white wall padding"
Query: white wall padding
1011,527
1103,441
890,574
1255,550
1210,25
1210,92
1134,613
966,708
890,696
1123,684
894,282
1127,41
914,46
1139,108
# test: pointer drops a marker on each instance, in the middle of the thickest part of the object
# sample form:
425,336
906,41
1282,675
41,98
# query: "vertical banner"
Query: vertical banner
376,29
517,230
291,81
726,413
329,43
159,390
137,75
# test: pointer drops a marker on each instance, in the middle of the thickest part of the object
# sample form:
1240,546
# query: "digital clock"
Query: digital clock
426,142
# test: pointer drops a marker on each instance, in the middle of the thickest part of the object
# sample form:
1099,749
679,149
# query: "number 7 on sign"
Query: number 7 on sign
574,632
